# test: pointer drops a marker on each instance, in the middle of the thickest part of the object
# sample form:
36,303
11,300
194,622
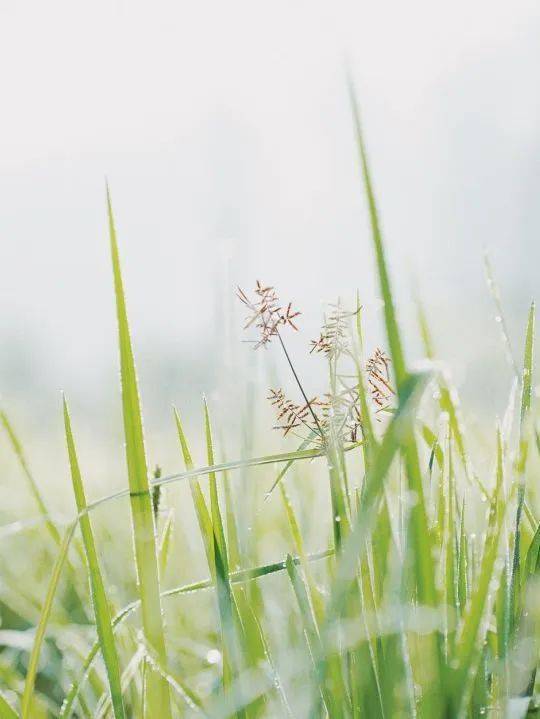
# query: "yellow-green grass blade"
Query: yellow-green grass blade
448,400
233,545
432,442
283,457
201,510
6,710
158,700
313,639
526,394
31,672
165,543
215,512
187,696
228,613
463,586
298,541
420,535
254,645
473,629
99,598
354,547
496,296
34,489
369,441
240,464
450,547
394,339
281,474
128,676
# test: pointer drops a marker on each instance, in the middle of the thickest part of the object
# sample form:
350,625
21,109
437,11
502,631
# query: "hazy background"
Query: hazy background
224,130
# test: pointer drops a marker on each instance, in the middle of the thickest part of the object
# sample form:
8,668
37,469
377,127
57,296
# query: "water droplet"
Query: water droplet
213,656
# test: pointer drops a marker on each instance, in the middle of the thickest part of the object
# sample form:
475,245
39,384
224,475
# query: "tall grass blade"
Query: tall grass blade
201,510
421,543
526,393
141,503
99,598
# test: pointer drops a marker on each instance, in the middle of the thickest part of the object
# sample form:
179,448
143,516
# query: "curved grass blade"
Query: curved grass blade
34,489
31,672
158,699
99,598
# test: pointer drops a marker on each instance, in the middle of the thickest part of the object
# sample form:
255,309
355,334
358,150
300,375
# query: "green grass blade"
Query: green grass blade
99,598
474,627
6,710
228,612
141,504
496,296
201,510
165,543
311,631
215,512
31,672
392,330
420,532
355,545
19,453
526,393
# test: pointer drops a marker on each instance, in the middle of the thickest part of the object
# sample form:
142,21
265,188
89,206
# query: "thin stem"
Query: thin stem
308,403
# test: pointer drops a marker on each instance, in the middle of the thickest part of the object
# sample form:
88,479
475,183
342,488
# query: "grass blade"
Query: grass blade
158,699
421,541
6,710
34,489
31,672
526,393
99,598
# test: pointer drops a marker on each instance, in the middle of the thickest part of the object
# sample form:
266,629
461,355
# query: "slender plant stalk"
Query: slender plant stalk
99,598
144,535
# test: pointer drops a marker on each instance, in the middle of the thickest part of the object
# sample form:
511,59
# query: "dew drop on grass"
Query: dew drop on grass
213,656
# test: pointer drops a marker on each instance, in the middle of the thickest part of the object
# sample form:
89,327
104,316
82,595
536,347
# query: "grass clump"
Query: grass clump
416,597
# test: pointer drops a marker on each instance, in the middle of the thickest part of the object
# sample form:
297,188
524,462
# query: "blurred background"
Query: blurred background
224,131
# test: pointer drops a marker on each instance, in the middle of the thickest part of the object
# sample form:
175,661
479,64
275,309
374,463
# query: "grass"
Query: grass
416,595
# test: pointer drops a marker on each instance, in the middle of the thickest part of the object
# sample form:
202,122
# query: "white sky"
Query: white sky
224,130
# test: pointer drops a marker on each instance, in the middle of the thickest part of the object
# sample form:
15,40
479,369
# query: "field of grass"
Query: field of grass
222,591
